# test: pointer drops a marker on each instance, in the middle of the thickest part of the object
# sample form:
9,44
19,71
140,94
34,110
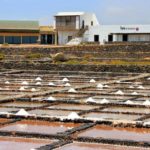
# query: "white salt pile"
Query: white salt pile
118,81
90,99
38,83
100,85
73,116
33,90
7,82
106,86
24,83
38,79
22,112
65,80
141,87
129,102
131,87
72,90
92,81
147,103
104,101
119,92
22,88
51,84
134,93
51,98
68,84
148,78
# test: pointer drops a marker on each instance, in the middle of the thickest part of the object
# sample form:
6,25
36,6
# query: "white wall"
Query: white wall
104,30
63,36
88,18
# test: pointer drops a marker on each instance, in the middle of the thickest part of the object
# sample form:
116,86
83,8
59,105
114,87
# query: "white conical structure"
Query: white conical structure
22,88
72,90
7,82
73,116
51,84
148,78
38,79
22,112
90,99
106,86
38,83
68,84
118,81
131,87
104,101
65,80
134,93
100,85
33,90
147,103
24,83
92,81
51,98
129,102
119,92
141,87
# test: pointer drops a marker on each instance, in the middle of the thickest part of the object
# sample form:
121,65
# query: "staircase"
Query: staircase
77,38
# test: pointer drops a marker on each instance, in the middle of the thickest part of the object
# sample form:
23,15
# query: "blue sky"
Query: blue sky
107,11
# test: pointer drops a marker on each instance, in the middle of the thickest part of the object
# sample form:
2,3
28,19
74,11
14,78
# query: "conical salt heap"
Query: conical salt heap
68,84
65,80
7,82
147,103
119,93
38,83
104,101
24,83
38,79
72,90
22,88
90,99
51,98
73,116
51,84
141,87
22,112
134,93
92,81
100,85
129,102
33,90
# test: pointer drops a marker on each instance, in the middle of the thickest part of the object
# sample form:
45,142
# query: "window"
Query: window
92,23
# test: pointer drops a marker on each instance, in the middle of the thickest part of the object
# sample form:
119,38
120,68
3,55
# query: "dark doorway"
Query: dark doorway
43,39
50,39
96,38
110,38
83,24
125,37
69,38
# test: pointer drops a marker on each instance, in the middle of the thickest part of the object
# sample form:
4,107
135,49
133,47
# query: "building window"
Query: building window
96,38
92,23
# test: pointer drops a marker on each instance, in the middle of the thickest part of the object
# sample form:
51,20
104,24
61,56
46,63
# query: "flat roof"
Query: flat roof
69,14
18,25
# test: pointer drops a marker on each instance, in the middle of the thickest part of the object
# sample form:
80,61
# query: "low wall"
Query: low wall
95,68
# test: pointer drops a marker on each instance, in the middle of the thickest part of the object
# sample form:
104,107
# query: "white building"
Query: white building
70,25
80,26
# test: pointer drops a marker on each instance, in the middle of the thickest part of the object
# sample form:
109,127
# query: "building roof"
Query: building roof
47,29
69,14
19,25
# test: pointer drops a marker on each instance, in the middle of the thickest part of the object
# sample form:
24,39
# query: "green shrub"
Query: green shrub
34,56
2,56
